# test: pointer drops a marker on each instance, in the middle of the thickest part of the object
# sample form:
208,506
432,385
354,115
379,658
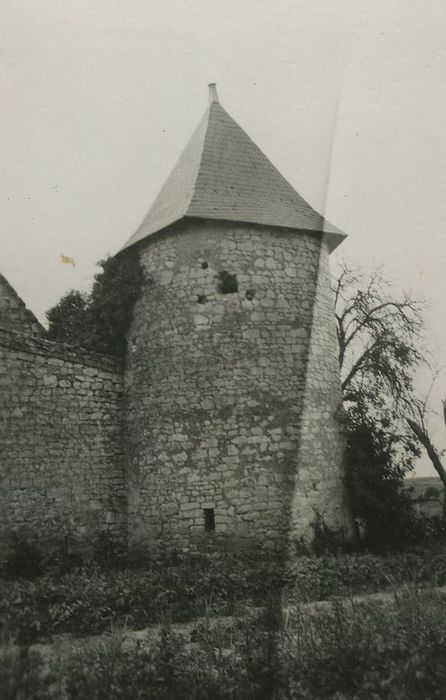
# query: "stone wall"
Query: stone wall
13,313
61,443
220,411
230,399
320,488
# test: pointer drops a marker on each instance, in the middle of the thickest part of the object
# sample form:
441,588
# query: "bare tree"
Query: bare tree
380,348
379,338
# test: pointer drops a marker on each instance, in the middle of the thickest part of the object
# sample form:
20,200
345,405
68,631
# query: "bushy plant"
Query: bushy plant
100,321
218,664
360,651
24,559
377,460
329,576
21,674
391,650
91,598
380,348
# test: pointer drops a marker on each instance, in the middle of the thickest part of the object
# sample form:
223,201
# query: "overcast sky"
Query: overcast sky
346,97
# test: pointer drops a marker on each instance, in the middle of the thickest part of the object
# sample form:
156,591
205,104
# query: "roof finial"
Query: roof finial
213,97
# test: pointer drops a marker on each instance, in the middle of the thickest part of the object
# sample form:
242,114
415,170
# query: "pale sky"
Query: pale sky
346,97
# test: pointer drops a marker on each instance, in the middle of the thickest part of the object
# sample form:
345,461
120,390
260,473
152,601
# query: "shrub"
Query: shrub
329,576
21,674
91,599
377,461
394,651
24,559
236,663
100,321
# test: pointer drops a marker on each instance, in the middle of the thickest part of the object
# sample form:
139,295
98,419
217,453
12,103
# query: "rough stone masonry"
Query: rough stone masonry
221,428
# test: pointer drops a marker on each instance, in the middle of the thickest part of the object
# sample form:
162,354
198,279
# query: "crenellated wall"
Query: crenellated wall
61,441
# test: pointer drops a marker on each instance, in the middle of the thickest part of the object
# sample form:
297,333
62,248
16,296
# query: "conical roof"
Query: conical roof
223,175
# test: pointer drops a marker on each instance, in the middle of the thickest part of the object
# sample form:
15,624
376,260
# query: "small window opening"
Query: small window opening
250,294
227,283
204,265
201,299
209,519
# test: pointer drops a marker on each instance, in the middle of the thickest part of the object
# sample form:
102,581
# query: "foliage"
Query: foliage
175,668
377,461
21,674
67,318
417,424
91,599
379,337
63,551
100,321
432,493
328,576
392,649
220,664
25,559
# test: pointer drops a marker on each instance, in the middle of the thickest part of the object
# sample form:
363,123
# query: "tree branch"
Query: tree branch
434,457
357,365
399,306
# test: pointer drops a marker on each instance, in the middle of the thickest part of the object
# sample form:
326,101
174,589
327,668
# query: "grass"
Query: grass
339,649
368,650
91,599
350,651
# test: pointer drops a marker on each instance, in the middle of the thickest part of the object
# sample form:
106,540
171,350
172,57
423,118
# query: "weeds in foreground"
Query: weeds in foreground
394,650
92,599
338,651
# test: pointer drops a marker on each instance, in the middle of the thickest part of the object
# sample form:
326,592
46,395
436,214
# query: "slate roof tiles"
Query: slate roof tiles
223,175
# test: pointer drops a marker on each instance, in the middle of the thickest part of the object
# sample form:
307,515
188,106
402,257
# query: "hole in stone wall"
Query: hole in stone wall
204,265
227,283
209,519
250,294
201,299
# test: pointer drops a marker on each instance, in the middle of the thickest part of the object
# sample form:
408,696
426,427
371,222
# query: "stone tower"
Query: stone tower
232,378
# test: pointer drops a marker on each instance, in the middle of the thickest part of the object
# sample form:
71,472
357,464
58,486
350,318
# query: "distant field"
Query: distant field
427,494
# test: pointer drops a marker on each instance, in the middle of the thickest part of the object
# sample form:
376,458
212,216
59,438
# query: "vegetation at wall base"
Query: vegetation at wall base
345,648
345,651
91,599
380,349
377,462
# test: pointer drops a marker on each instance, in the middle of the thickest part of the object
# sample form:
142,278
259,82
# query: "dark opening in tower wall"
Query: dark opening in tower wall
204,265
226,282
209,519
250,294
201,299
